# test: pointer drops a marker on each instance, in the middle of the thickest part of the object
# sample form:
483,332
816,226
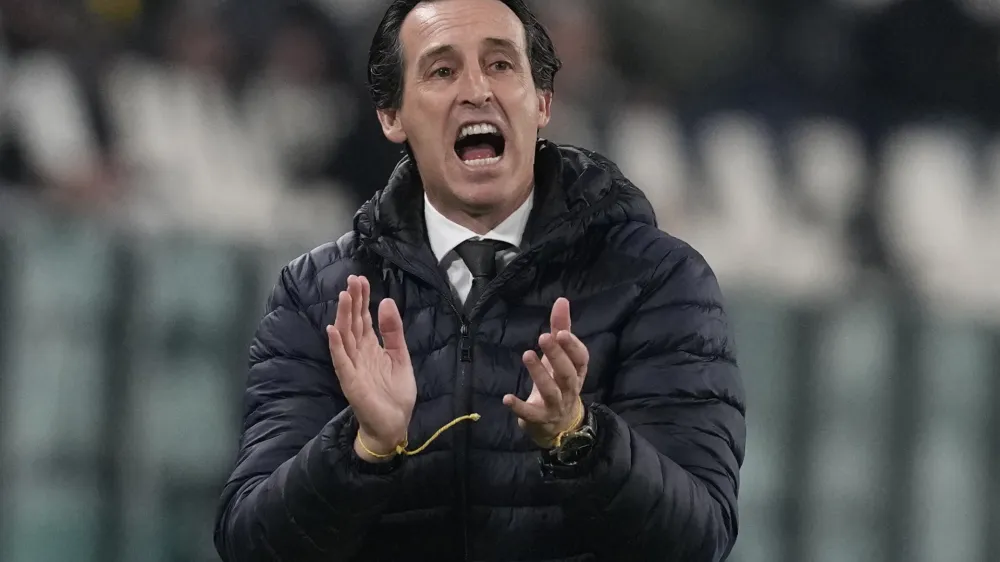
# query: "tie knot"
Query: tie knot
480,256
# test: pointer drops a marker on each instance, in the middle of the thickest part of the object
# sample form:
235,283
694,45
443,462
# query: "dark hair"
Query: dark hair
385,59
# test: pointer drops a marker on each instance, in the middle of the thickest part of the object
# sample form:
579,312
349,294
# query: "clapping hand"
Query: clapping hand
554,405
377,380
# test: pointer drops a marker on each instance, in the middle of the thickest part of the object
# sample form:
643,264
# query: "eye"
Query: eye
502,66
441,72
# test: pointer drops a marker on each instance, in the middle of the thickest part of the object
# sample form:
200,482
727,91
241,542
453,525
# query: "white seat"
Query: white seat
192,162
931,215
647,144
828,163
827,173
754,234
47,111
735,225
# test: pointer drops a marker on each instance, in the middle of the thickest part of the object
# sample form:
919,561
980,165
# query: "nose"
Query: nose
476,89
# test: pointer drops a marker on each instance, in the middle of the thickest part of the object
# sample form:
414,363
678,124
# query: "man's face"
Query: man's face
470,110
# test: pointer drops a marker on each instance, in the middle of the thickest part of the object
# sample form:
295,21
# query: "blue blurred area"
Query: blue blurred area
837,161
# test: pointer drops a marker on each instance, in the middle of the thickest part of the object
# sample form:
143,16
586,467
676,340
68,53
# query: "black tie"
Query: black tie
480,256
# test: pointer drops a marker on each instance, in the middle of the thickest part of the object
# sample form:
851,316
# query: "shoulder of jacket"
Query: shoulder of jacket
664,253
646,241
303,280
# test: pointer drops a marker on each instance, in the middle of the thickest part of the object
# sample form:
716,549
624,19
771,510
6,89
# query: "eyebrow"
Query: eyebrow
501,43
433,54
436,52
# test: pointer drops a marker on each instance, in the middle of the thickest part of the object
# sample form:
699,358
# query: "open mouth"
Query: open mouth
480,144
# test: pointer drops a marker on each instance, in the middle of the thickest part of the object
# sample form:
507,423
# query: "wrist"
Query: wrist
375,450
577,419
572,457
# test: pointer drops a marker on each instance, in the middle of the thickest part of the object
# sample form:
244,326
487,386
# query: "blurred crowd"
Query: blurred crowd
804,146
160,160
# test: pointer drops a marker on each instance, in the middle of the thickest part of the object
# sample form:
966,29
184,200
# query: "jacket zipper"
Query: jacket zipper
460,404
463,395
462,439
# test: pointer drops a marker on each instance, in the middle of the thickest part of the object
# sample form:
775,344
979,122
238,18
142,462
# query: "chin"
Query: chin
482,196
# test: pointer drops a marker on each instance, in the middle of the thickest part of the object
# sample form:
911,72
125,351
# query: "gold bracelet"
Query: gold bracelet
401,448
557,442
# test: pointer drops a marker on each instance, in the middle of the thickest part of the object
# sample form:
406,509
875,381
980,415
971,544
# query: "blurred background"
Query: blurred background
837,161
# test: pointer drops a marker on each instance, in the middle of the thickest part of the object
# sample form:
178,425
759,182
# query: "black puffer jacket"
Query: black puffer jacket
662,482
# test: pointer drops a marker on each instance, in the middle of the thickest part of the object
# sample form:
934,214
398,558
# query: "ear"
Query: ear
544,108
392,126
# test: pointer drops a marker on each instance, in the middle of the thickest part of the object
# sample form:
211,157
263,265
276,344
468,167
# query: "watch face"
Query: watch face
574,448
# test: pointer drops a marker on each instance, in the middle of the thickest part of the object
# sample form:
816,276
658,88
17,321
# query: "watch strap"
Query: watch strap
574,447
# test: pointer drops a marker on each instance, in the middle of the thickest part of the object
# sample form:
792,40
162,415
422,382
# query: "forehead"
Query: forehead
460,24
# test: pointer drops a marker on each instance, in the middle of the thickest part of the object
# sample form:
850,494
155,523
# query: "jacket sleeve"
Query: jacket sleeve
663,478
298,492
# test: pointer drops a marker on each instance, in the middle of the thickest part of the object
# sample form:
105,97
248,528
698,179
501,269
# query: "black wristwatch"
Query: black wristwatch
575,446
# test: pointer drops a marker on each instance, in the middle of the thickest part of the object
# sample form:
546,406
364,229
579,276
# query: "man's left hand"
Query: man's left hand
554,405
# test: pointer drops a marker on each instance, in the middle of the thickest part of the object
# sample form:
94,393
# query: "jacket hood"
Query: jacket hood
575,190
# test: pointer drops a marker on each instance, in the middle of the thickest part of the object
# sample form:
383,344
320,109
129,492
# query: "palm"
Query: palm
385,390
538,432
557,380
376,379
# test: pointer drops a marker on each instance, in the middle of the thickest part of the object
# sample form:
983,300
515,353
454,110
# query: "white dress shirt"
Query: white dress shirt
445,235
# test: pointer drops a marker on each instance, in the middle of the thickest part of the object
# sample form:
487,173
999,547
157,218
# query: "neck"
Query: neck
480,221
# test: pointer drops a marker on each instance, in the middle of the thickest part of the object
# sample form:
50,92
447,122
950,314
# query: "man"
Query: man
623,442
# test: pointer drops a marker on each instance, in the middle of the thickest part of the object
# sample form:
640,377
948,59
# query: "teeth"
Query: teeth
482,161
477,129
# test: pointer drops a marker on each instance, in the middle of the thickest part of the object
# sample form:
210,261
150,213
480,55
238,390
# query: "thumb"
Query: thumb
391,326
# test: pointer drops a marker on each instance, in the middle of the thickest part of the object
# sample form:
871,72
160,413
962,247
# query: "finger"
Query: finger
563,371
357,310
559,320
366,306
534,413
342,364
391,326
535,396
575,349
547,364
544,383
343,324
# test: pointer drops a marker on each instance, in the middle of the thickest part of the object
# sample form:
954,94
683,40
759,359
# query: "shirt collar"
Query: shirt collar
444,234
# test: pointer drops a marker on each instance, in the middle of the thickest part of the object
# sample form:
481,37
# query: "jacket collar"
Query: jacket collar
575,189
444,234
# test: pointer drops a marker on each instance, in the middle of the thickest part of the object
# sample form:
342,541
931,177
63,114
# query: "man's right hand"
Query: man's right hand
377,380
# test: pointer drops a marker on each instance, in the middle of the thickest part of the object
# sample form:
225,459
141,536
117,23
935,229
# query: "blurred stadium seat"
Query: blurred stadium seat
158,167
933,217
